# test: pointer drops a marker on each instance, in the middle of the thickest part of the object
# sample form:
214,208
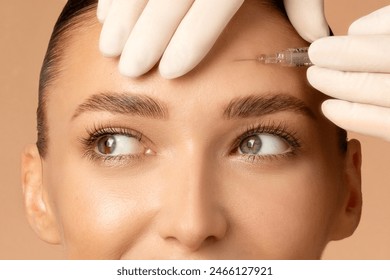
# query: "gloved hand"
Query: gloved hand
181,32
356,69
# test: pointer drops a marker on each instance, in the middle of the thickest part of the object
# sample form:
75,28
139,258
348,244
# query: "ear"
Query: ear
351,208
39,213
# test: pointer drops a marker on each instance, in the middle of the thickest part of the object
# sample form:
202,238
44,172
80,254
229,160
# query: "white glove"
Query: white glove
181,32
356,69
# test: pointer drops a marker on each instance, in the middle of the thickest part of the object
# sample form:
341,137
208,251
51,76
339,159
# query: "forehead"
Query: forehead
255,29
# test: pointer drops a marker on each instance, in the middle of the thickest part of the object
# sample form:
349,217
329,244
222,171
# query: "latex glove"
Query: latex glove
356,69
181,32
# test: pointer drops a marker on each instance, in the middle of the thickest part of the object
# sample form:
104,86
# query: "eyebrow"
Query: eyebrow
145,106
259,105
123,103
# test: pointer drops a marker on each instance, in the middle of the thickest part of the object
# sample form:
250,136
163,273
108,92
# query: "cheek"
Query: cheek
94,207
287,212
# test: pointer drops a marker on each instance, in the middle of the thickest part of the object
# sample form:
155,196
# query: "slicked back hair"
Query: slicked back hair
75,14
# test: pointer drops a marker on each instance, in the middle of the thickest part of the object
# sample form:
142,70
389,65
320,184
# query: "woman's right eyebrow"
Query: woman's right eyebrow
123,103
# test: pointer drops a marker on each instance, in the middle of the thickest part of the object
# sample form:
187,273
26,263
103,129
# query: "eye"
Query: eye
118,145
263,144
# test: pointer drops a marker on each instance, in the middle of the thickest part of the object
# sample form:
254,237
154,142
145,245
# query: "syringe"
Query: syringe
292,57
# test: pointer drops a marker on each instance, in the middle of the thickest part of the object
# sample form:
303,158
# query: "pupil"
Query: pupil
107,145
251,145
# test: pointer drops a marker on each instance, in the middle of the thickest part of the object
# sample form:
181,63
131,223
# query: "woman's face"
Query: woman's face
232,161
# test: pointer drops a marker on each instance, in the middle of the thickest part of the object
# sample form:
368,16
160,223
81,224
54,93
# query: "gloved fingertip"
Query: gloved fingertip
109,48
168,72
102,10
321,49
101,14
112,40
355,27
309,74
312,75
132,67
308,18
127,71
101,17
171,66
325,106
331,108
315,34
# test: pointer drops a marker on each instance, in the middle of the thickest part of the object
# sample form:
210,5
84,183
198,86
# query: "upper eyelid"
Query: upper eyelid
279,129
95,133
101,130
136,135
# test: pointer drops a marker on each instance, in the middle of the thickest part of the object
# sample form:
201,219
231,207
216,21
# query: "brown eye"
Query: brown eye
106,145
118,144
263,144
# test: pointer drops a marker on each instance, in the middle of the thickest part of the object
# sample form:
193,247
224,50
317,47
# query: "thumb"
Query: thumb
308,18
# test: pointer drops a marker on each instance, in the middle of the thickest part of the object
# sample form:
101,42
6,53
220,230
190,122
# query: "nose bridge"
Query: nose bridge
192,214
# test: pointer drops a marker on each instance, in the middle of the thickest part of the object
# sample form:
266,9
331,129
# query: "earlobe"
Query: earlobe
39,213
351,208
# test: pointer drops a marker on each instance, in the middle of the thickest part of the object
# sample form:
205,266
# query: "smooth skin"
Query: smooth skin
188,193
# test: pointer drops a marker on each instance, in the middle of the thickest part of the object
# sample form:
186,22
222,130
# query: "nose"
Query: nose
192,215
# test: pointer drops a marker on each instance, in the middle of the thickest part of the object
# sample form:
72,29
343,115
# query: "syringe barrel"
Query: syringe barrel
295,57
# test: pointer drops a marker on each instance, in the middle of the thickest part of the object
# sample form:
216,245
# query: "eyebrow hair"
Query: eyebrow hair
145,106
257,106
124,103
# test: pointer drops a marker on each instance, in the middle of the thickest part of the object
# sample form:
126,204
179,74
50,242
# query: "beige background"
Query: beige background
25,27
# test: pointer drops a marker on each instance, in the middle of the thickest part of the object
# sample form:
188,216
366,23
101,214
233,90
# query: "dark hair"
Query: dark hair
74,15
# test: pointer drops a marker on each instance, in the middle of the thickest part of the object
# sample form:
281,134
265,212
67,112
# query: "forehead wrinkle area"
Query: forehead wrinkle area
259,105
123,103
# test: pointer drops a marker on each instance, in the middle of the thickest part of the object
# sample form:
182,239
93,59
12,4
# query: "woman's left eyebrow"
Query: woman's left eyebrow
259,105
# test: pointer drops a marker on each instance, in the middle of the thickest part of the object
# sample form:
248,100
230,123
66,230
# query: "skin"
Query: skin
190,194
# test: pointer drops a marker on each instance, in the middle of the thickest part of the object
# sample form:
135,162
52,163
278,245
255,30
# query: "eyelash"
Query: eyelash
99,131
277,129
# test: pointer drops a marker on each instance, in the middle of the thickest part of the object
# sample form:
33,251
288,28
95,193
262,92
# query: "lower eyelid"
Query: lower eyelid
267,158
